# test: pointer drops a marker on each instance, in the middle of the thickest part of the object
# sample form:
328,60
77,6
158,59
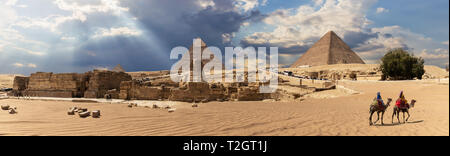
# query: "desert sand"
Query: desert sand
342,115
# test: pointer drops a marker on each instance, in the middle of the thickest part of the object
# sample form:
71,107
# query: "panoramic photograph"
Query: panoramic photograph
224,68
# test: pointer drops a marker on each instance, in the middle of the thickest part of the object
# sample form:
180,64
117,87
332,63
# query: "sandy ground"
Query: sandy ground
344,115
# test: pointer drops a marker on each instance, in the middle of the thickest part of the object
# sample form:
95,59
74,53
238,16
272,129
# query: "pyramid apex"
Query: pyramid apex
118,68
331,32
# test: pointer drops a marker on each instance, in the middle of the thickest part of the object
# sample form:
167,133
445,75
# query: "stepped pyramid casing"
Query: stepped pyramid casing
330,49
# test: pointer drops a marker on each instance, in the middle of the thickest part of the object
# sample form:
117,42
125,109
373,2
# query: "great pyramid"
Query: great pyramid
330,49
118,68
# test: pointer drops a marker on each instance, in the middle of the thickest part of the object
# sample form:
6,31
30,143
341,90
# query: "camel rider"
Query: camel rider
402,102
379,101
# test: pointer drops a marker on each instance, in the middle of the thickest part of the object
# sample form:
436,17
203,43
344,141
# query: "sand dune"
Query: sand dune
344,115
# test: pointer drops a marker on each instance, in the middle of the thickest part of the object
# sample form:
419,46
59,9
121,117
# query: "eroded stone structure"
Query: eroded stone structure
93,84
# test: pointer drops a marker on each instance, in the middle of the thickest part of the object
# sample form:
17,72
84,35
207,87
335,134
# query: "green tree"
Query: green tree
398,64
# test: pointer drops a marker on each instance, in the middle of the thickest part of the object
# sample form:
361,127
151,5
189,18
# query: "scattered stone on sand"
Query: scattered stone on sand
131,105
194,105
71,111
220,100
84,114
12,111
155,106
5,107
171,110
96,114
167,107
82,110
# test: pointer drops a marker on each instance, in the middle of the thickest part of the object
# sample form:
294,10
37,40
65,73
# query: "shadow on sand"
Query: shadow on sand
396,123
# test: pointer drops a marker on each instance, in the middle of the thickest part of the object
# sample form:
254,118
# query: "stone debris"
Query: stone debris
131,105
12,111
81,110
155,106
71,111
84,114
5,107
96,114
194,105
171,110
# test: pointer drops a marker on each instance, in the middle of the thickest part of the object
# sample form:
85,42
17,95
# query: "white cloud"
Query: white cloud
318,2
226,38
11,2
205,3
21,65
437,54
247,5
31,52
382,10
445,43
82,9
300,26
121,31
31,65
18,65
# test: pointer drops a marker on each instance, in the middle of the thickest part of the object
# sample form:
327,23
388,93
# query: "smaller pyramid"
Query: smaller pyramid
118,68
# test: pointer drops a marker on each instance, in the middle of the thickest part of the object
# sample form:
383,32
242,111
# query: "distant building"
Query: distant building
330,49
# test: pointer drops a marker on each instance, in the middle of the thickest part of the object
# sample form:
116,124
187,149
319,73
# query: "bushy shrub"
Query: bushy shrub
398,64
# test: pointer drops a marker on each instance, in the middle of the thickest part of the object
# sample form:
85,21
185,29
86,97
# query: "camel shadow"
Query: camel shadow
387,124
414,122
397,124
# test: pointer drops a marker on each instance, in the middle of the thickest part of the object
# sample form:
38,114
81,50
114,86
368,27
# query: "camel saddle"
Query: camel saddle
401,105
378,104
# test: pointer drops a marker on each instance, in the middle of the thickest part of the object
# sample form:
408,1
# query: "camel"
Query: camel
378,109
397,111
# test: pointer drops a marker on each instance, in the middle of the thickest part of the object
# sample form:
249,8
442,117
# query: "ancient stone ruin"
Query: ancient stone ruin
93,84
330,49
120,85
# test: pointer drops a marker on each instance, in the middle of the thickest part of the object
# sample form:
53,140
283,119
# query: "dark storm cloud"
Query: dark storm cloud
130,52
172,22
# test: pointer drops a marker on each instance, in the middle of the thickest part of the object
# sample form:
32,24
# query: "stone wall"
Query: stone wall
20,83
190,91
100,82
55,85
68,85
